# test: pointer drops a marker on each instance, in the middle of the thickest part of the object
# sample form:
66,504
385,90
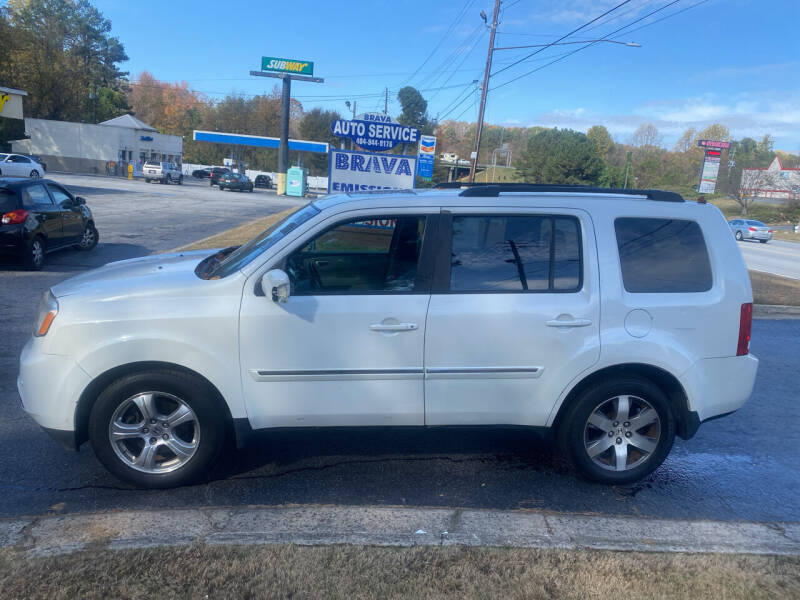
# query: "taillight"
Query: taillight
771,231
753,229
745,327
15,217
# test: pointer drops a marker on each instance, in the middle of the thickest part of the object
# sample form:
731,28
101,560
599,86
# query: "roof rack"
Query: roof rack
494,190
371,192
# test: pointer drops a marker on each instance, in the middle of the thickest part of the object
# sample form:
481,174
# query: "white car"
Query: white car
16,165
614,320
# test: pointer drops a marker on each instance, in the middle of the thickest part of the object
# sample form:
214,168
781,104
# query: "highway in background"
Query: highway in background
776,257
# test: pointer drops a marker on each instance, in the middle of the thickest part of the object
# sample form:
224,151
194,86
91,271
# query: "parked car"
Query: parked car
263,181
216,173
201,173
476,307
747,229
163,172
38,160
235,181
39,216
18,165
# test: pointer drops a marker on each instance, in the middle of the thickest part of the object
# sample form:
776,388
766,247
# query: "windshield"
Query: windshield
3,156
226,262
756,223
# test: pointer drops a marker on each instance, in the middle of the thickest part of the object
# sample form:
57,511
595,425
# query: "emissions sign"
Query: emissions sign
287,65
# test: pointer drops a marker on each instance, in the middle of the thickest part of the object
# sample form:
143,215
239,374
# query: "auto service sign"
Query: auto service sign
375,131
354,171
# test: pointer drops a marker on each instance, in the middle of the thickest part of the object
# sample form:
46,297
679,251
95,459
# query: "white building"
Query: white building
107,147
774,181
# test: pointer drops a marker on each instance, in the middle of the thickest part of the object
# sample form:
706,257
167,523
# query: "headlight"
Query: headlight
48,309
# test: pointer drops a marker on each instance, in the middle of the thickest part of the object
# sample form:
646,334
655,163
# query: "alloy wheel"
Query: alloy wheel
154,432
621,433
34,174
37,253
88,237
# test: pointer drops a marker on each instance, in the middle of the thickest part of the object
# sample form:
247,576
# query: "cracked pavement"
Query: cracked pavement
743,467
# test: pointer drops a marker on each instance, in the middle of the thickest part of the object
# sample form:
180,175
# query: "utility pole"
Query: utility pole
484,90
386,101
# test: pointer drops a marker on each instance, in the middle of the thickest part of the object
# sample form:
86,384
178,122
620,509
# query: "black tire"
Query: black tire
165,180
180,180
34,174
146,180
739,236
574,431
89,238
191,390
763,241
35,253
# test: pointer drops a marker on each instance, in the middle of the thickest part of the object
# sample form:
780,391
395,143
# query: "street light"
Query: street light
629,44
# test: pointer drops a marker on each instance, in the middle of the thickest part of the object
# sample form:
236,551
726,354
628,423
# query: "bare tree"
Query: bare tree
646,136
752,181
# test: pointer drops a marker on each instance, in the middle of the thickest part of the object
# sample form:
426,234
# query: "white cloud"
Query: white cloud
744,115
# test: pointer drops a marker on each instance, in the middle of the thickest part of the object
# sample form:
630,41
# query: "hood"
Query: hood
162,270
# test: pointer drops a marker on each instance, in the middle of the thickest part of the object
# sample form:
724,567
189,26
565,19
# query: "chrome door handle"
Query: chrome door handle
393,327
569,323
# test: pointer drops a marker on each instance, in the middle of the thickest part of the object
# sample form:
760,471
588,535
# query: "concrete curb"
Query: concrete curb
322,525
775,311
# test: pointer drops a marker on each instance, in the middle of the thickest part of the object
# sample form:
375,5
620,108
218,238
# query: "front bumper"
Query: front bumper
49,386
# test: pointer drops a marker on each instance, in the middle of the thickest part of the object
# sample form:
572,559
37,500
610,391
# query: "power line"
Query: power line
450,29
586,46
609,11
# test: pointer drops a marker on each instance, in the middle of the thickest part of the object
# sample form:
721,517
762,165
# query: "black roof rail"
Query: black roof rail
494,190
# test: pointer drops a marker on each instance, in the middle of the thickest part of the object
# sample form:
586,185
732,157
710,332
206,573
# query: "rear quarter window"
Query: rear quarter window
662,255
8,201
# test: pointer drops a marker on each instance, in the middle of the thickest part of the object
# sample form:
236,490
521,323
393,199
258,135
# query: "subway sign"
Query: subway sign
287,65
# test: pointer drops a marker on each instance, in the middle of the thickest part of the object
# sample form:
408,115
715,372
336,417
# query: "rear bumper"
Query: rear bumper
719,386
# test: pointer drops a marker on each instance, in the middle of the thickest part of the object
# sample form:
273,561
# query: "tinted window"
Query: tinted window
756,223
59,195
8,200
662,255
375,255
507,253
20,159
34,195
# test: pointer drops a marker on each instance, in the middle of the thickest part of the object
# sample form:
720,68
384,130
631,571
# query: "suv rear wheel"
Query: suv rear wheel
619,431
157,429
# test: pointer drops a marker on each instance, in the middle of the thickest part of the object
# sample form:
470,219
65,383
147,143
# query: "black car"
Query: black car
263,181
216,173
38,216
235,181
201,173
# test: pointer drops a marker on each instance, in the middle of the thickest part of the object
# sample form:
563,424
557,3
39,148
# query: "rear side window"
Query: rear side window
35,195
539,253
662,255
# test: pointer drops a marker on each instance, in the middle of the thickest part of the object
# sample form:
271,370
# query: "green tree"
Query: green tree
561,156
414,109
601,138
61,52
316,126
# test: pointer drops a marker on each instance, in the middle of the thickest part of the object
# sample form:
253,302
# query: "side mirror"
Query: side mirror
80,201
275,283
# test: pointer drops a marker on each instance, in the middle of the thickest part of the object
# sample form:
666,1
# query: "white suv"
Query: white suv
613,319
163,172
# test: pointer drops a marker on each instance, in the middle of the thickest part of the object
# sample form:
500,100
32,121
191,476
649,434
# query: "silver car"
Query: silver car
746,229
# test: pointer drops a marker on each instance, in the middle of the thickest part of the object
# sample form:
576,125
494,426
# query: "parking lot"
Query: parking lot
742,467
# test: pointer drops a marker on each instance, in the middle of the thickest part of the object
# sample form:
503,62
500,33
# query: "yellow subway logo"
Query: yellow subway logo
285,65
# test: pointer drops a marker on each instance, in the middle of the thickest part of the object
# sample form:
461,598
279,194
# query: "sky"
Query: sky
735,62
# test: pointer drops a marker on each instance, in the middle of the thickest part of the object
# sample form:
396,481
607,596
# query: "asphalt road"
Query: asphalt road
743,467
776,257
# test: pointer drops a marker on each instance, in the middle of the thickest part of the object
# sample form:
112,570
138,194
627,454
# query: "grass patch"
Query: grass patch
355,572
771,214
772,289
238,235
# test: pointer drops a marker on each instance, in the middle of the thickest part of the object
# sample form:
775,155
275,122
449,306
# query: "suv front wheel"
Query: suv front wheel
157,429
619,431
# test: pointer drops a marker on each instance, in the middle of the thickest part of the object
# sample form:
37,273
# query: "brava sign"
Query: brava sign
375,131
287,65
364,171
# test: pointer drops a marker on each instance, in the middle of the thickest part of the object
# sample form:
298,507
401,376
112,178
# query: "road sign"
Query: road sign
375,131
287,65
427,153
354,171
